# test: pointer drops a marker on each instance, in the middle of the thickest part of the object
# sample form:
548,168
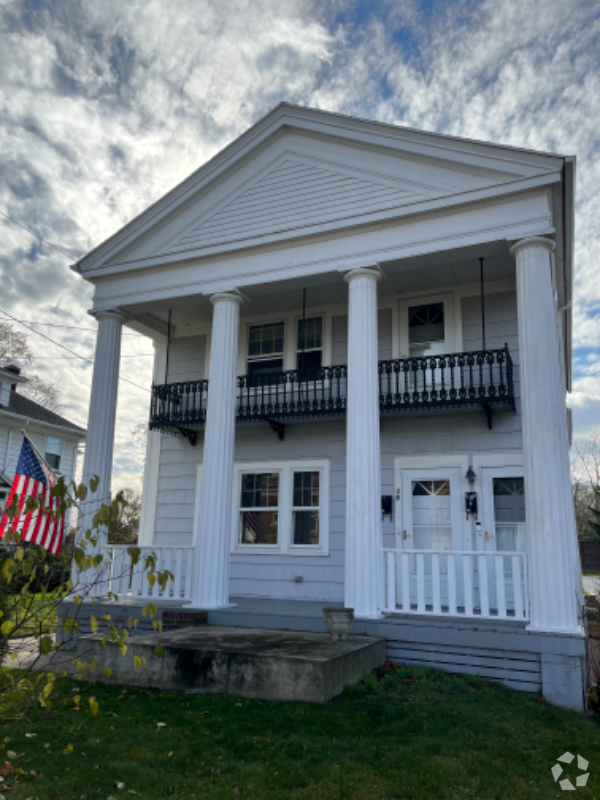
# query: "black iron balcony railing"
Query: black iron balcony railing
482,378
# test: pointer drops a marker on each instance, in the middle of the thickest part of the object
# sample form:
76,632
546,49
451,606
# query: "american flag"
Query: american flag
32,479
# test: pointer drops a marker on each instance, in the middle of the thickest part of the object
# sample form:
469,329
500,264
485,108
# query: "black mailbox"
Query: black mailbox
386,505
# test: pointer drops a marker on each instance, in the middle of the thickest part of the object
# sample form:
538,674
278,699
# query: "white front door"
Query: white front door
429,522
504,520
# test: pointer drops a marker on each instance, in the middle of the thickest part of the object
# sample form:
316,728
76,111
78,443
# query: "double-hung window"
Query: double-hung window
265,348
309,345
282,507
306,507
53,452
259,508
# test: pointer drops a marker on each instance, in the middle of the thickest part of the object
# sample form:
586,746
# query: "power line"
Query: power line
37,236
72,327
68,349
71,358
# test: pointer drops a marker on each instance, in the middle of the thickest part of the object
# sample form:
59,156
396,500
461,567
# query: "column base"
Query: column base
195,607
369,616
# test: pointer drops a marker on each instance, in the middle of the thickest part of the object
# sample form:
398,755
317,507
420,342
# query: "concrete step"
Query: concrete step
258,663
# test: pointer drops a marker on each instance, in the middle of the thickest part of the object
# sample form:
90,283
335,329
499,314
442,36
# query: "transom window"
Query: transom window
426,330
305,508
309,346
53,452
265,348
259,508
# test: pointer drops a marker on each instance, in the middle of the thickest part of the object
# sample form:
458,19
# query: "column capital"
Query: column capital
533,241
116,315
226,297
363,272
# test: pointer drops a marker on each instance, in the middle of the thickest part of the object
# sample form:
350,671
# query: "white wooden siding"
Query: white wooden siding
339,337
430,434
294,194
186,359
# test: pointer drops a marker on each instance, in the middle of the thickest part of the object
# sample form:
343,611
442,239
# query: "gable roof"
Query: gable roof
517,164
29,409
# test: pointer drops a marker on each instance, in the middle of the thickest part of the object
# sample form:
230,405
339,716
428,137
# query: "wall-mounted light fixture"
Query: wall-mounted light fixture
471,475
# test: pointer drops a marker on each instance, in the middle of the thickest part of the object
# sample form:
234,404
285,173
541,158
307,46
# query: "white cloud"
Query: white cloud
106,106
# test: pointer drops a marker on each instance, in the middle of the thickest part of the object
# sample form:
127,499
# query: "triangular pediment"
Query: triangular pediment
300,172
297,192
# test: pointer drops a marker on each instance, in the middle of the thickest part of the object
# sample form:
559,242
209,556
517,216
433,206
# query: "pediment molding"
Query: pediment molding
295,192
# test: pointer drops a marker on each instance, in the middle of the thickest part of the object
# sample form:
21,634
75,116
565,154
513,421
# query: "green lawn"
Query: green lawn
432,736
39,615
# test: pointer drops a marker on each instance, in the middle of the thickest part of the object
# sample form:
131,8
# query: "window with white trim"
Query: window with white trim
309,344
266,348
53,451
259,508
426,330
306,507
282,507
429,325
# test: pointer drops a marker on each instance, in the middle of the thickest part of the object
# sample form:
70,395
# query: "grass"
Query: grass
415,734
40,615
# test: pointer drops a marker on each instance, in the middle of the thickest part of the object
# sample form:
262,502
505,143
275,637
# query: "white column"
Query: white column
551,534
211,558
100,439
364,542
100,436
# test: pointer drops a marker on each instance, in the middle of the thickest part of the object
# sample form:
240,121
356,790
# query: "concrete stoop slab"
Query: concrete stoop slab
249,662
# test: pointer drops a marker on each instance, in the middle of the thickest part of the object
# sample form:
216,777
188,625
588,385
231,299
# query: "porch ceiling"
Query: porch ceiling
424,273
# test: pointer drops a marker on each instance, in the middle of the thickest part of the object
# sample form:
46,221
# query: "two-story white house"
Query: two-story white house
55,437
363,350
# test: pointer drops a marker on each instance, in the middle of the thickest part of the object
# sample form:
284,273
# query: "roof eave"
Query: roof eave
42,423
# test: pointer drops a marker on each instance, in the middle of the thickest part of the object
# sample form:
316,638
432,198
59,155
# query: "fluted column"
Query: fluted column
364,542
551,534
102,413
211,558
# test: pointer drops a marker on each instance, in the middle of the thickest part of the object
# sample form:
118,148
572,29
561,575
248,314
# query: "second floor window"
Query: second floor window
53,452
309,346
265,348
426,330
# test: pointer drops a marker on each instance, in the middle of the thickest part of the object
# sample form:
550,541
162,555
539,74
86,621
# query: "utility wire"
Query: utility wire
68,349
41,238
73,327
71,358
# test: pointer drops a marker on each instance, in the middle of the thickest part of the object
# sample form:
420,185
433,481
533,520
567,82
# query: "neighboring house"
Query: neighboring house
55,437
349,405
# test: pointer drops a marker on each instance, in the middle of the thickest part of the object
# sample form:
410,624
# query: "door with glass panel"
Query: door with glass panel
426,338
430,527
505,521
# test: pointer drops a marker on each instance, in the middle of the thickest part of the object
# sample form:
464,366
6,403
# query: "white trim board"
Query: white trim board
285,546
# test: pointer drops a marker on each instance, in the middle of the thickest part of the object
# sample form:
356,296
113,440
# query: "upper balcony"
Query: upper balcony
481,379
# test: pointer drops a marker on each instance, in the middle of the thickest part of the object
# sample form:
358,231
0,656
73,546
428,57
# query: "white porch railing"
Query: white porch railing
132,582
450,583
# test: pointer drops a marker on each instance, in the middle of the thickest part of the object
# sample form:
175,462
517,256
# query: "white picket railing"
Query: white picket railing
132,582
457,583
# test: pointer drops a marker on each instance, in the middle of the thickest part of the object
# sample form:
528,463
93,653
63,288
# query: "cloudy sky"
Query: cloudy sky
107,105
